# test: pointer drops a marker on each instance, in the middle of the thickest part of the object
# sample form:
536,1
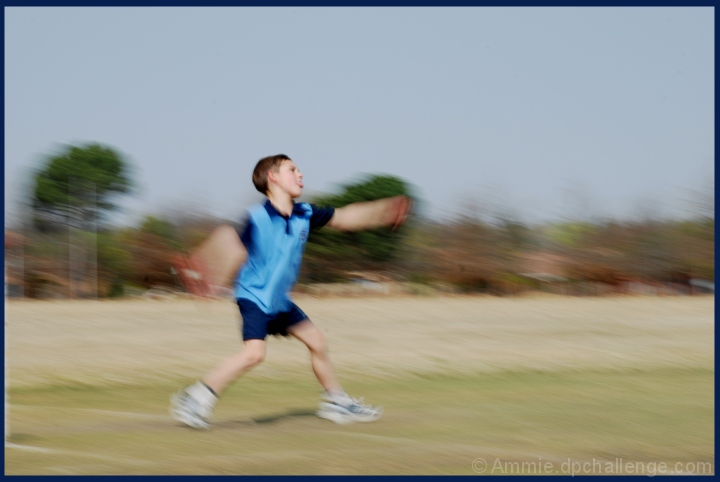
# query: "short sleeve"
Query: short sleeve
243,228
320,216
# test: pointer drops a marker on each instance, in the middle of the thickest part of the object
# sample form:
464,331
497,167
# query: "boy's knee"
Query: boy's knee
254,357
319,344
257,358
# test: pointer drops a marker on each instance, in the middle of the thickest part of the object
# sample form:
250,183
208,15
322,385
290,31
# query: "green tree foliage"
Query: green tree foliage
77,186
330,253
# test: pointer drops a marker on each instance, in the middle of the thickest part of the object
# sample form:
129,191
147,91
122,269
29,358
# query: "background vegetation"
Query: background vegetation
70,250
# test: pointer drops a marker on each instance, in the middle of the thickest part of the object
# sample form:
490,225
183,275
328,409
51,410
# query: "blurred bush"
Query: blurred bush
330,254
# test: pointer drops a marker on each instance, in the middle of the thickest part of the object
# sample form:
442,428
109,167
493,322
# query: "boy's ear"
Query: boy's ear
272,176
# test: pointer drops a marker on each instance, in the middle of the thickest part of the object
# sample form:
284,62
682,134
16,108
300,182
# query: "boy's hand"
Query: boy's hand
402,206
192,274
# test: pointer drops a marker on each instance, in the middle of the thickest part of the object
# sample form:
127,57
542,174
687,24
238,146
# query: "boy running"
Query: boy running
267,250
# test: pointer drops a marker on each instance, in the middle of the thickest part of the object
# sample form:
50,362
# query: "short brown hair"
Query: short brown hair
260,177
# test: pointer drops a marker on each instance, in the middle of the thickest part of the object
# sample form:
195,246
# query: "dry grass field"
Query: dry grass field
513,381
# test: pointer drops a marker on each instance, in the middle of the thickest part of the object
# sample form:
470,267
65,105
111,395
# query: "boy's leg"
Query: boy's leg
194,405
235,366
308,333
340,407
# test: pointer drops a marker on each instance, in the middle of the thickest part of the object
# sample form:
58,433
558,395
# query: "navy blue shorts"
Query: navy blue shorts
256,324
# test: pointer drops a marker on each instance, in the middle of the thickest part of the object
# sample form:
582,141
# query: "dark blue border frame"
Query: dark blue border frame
355,3
367,3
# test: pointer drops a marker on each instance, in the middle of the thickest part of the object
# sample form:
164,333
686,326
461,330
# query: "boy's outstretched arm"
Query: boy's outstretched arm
390,211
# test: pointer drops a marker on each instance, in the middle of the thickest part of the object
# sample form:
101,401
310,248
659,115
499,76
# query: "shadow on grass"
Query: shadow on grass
290,414
298,412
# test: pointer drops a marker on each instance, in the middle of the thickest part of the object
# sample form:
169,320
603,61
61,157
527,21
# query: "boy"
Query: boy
268,249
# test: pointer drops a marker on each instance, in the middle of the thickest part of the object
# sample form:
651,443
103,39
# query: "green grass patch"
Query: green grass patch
433,424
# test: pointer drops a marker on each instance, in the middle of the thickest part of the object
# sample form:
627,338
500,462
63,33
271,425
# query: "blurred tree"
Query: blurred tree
694,243
76,186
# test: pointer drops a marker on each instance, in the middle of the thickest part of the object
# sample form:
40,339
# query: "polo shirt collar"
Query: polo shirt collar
272,211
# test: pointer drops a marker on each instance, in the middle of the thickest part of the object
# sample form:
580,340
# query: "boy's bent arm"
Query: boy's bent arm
221,254
372,214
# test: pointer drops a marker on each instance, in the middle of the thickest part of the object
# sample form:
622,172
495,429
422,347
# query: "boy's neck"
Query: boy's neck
284,204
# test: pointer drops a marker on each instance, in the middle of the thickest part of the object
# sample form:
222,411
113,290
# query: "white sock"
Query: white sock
200,392
339,397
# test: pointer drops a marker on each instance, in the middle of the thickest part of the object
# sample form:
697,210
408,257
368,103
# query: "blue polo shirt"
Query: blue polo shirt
275,245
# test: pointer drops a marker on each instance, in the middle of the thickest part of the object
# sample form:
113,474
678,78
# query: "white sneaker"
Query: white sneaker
193,406
349,411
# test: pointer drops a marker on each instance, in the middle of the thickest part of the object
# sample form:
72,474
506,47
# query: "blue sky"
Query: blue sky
548,112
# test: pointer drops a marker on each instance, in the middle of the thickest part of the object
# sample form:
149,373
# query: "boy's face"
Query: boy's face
289,178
